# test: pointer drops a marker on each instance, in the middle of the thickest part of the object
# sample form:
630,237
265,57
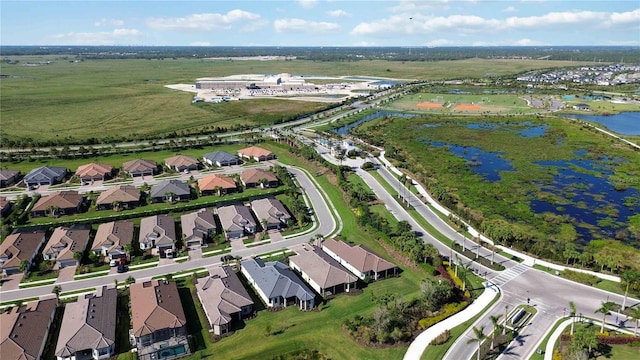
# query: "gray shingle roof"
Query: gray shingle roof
220,157
277,279
45,173
170,186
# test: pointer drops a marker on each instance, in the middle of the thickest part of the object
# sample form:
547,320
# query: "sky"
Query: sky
407,23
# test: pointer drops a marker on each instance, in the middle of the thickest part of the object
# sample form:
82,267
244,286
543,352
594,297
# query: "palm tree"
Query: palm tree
605,310
504,328
479,338
494,320
572,306
634,313
630,277
56,291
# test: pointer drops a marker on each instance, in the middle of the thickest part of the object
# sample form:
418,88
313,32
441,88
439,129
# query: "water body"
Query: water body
345,129
484,163
587,196
625,123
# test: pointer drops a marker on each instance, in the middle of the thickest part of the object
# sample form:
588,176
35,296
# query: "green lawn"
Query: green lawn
493,104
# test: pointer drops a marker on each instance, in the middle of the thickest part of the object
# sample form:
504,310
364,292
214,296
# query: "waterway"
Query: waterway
625,123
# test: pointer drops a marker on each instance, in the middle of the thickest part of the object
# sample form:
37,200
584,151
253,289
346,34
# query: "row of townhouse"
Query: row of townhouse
158,321
128,196
87,173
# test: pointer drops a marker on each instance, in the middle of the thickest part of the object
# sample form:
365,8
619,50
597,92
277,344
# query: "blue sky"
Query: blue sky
321,23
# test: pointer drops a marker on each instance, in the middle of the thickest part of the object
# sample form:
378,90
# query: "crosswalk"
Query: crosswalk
509,274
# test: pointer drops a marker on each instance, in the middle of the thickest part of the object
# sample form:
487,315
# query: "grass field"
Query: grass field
120,99
491,104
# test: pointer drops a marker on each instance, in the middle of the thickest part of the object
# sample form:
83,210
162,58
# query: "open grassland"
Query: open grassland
487,104
126,99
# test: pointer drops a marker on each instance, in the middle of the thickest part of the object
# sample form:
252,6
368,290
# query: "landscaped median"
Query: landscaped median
423,340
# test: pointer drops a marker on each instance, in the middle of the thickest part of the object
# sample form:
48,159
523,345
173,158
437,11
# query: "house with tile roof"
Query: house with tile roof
88,327
216,184
270,213
158,233
45,175
323,273
170,191
112,238
64,242
277,284
159,322
361,261
253,178
18,247
256,153
236,221
24,330
58,203
220,158
181,163
119,197
223,298
140,167
94,172
8,177
198,227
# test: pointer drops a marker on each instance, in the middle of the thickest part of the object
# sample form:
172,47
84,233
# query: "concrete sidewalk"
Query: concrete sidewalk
419,345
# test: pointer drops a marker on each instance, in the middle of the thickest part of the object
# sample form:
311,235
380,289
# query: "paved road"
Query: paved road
326,225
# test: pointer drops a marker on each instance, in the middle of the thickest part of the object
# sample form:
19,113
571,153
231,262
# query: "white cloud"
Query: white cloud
299,25
338,13
554,19
205,21
200,43
440,42
425,24
629,17
115,37
112,22
308,3
528,42
509,9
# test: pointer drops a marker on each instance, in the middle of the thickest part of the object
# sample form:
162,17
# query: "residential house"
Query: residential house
253,178
220,158
581,107
140,167
323,273
270,213
64,243
24,330
217,184
94,172
236,221
277,284
159,322
223,298
158,233
18,247
181,163
8,177
88,329
5,206
170,190
119,197
198,227
112,239
256,153
45,175
361,261
58,203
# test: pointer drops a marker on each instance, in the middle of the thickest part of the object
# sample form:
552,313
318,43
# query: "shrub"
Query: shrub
449,310
617,340
442,338
580,277
557,355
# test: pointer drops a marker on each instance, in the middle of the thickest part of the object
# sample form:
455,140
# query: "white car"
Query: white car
114,262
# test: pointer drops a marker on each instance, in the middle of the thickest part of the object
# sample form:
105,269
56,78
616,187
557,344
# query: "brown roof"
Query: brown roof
251,176
89,323
66,241
358,256
222,295
113,235
271,210
122,193
94,170
209,182
160,227
254,151
20,246
139,165
180,160
321,268
62,199
24,330
155,305
4,203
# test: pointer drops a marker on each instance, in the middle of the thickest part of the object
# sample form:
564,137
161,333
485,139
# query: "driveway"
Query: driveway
66,274
275,235
237,244
12,282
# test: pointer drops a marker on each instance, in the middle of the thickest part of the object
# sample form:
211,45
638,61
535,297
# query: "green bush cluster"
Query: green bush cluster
448,310
580,277
442,338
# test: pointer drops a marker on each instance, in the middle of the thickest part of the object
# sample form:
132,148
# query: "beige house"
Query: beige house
94,171
270,213
256,153
111,240
253,178
198,227
19,247
323,273
58,203
181,163
158,233
120,197
64,243
361,261
24,330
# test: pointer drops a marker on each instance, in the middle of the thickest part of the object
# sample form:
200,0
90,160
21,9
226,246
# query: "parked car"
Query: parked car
114,262
122,268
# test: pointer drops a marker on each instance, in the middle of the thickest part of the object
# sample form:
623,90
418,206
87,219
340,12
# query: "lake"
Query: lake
625,123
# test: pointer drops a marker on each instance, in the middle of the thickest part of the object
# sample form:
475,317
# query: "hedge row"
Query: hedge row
449,309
